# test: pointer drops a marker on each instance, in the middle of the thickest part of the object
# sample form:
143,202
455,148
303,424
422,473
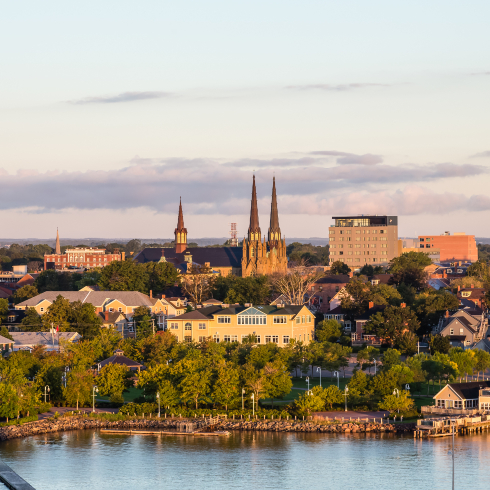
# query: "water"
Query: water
90,460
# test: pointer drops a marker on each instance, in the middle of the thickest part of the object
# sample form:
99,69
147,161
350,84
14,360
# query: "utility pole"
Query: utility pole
153,325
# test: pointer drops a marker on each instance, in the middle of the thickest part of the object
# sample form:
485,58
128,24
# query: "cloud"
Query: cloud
481,73
211,186
123,97
483,154
343,87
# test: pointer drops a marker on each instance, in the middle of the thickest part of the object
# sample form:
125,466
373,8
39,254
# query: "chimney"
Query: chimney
459,288
472,286
123,256
106,315
371,305
151,293
163,296
403,305
207,264
447,314
351,274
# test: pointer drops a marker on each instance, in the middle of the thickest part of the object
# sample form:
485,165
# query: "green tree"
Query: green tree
307,403
392,323
464,359
5,333
252,289
57,315
391,357
84,319
89,278
227,385
32,321
277,380
431,305
479,270
339,267
357,296
328,331
482,361
397,402
9,400
112,381
367,356
409,269
79,386
51,280
439,343
124,276
331,396
143,321
195,382
382,294
407,343
161,275
4,309
24,293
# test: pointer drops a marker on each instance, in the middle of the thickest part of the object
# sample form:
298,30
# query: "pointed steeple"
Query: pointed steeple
180,232
57,248
274,230
254,228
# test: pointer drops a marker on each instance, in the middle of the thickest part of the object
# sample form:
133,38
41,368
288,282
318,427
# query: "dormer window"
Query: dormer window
466,294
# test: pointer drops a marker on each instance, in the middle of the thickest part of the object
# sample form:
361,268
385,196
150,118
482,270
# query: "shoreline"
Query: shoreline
65,424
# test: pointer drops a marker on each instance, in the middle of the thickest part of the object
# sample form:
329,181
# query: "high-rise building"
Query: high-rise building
361,240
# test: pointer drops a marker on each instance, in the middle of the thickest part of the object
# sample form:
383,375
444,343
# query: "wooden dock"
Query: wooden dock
164,432
445,426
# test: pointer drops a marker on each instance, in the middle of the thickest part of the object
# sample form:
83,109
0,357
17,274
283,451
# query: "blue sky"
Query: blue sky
109,111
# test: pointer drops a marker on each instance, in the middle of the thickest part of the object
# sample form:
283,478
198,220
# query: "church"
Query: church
257,256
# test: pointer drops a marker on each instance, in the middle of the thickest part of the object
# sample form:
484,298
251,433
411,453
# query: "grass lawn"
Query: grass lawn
128,396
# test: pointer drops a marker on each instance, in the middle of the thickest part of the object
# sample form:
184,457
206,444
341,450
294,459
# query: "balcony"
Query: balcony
448,411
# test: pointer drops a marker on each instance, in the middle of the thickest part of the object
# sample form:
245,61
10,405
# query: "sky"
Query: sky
110,111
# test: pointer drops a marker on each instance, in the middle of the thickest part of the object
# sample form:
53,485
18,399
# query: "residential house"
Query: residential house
120,358
358,336
338,314
324,289
475,295
118,322
6,344
233,323
51,341
464,327
461,399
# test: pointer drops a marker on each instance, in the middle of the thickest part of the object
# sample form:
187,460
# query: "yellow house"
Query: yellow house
233,323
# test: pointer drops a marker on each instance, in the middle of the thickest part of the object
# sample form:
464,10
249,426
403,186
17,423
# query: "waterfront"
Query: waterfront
88,459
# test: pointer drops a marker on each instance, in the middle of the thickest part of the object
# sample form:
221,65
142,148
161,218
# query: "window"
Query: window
303,319
244,337
120,310
461,331
252,320
202,338
309,319
257,339
451,331
188,326
234,338
383,238
111,309
275,339
216,337
280,319
267,339
466,294
187,339
298,320
41,309
285,339
226,338
224,319
174,326
202,326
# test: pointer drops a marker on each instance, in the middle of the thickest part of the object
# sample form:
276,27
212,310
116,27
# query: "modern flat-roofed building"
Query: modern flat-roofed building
360,240
456,247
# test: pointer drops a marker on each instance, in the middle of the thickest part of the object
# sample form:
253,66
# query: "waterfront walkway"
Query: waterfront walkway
353,415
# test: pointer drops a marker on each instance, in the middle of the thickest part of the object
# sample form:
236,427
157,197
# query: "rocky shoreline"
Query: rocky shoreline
64,424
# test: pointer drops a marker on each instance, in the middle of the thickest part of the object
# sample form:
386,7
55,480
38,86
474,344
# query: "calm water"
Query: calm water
90,460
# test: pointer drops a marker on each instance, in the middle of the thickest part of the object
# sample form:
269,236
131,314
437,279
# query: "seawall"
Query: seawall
64,424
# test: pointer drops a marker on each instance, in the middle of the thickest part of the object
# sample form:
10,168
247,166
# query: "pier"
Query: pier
12,480
444,426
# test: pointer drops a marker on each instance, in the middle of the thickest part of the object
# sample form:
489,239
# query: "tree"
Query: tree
161,275
397,402
479,270
52,280
367,355
407,343
295,283
482,361
241,290
227,385
439,343
391,357
195,381
382,294
356,297
392,323
124,276
4,309
198,283
32,321
84,319
331,395
143,321
112,380
5,333
409,269
89,278
9,400
277,380
79,384
328,331
57,315
369,270
465,360
307,403
338,267
24,293
431,305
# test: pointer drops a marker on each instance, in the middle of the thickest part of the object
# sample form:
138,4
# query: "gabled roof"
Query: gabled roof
336,311
120,359
382,278
3,341
333,279
468,391
210,311
112,317
370,312
42,338
216,256
461,321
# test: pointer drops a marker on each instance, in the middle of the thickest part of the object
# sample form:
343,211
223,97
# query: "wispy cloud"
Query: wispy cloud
215,186
343,87
352,158
123,97
481,73
483,154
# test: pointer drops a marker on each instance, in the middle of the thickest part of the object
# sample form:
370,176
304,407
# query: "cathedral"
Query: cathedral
260,256
255,257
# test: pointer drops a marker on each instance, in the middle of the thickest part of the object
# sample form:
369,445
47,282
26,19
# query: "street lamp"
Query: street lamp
320,370
94,391
375,361
46,391
336,373
253,404
345,394
308,381
243,402
396,392
158,400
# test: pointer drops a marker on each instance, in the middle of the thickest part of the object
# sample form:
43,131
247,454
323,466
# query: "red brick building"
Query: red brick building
456,247
86,258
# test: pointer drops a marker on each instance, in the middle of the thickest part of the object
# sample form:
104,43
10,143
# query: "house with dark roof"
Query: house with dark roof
6,344
461,399
279,324
475,295
120,358
465,327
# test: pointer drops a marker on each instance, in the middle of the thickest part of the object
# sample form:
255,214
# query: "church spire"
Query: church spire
57,248
274,230
180,232
254,228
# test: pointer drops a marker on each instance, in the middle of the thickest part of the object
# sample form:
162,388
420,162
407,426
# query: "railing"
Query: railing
448,411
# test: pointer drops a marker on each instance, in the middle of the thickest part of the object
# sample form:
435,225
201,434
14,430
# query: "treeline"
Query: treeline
30,255
311,254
